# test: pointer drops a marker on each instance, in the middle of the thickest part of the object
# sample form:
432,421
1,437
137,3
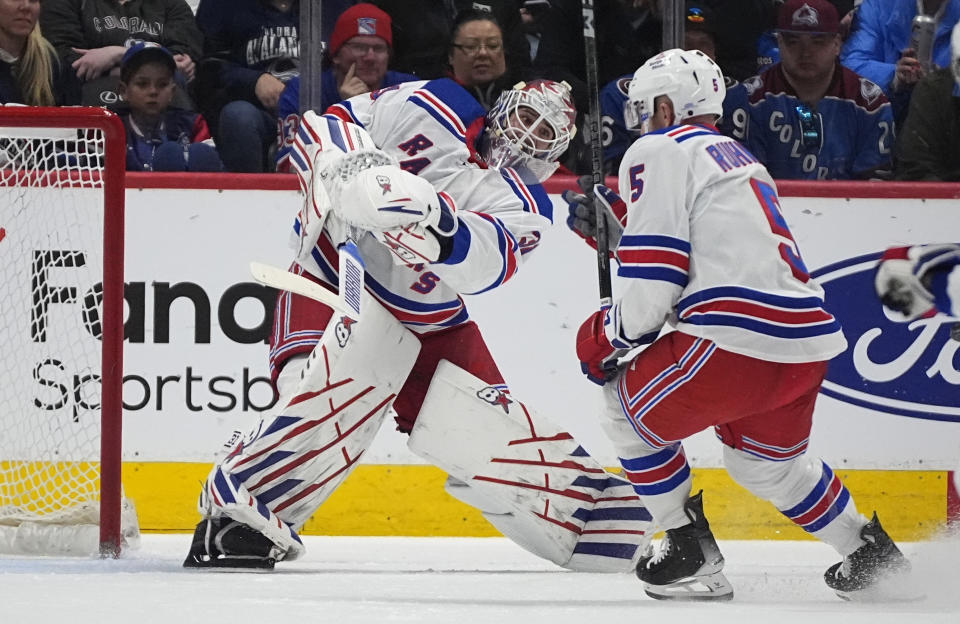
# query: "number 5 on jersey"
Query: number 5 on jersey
778,225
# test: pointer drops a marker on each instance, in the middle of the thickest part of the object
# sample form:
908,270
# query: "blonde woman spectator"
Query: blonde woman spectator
30,72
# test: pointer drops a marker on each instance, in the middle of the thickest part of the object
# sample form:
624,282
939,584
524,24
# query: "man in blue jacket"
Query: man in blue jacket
879,44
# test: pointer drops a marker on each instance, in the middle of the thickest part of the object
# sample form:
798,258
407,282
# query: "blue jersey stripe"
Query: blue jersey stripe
663,274
441,119
762,327
737,292
614,550
654,240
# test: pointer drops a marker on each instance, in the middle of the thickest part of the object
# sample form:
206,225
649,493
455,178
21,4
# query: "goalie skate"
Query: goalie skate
225,543
688,564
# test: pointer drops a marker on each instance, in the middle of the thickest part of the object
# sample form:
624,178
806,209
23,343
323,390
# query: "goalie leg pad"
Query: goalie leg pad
281,473
532,480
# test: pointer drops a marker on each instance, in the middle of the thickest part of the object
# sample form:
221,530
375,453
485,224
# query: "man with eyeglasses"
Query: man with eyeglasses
360,48
808,117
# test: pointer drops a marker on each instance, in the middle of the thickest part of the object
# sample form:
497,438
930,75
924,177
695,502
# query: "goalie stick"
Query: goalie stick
347,302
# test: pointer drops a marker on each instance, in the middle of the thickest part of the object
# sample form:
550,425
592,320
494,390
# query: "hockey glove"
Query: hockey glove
899,289
430,240
598,357
582,218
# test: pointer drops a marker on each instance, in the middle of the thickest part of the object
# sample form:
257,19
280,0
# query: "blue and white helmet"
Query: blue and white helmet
690,78
511,138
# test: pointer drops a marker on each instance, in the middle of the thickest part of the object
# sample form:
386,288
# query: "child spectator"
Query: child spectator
30,72
160,137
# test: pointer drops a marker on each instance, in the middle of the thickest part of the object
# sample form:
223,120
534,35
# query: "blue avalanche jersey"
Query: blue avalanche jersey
848,134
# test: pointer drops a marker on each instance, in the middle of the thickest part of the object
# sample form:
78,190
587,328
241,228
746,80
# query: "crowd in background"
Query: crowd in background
816,89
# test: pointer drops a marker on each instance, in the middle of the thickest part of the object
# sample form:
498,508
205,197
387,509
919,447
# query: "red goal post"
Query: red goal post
49,159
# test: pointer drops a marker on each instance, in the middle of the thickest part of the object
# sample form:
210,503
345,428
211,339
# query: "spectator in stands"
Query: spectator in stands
878,47
554,31
360,47
30,72
699,34
422,31
91,36
928,145
759,32
628,33
477,59
251,49
160,137
808,117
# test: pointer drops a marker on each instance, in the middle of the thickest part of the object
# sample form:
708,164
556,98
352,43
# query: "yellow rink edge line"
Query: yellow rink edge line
408,500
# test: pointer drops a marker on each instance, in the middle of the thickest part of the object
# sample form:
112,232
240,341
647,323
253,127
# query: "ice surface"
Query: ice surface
345,580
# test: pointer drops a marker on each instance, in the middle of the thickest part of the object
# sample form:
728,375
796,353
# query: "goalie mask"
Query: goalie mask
529,127
692,81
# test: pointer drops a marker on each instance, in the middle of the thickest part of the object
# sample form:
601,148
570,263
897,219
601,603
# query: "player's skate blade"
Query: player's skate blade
221,543
875,572
695,588
688,564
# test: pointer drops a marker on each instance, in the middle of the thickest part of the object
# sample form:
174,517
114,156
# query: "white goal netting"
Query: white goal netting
52,210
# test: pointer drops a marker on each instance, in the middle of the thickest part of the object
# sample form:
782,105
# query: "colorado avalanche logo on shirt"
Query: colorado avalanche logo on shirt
910,369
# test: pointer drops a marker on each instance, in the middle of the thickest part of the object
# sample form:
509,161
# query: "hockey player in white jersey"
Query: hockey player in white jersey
704,249
442,200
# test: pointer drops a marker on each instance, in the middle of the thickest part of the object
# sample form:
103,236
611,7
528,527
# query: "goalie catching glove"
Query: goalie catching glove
582,209
401,211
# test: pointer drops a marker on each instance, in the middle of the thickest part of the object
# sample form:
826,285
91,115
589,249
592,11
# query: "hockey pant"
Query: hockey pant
762,411
530,479
331,406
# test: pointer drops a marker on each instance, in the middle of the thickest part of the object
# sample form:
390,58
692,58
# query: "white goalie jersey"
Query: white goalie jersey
430,129
706,248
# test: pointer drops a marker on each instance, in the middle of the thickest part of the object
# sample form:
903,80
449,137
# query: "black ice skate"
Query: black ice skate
688,564
226,543
876,571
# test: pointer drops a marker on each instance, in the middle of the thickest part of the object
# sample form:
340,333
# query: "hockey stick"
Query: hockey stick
596,152
299,285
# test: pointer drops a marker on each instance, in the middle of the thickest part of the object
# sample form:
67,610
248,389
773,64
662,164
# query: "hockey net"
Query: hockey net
61,327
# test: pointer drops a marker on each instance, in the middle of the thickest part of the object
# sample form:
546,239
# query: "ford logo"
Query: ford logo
910,369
